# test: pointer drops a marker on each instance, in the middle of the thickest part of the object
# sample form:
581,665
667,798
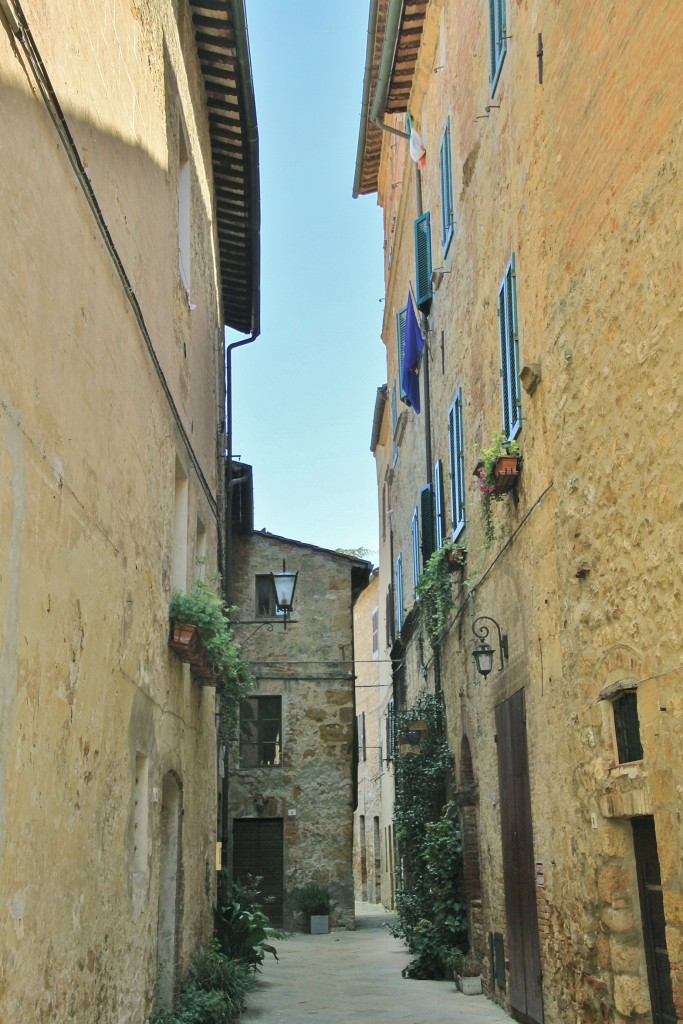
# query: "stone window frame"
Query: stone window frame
260,721
612,693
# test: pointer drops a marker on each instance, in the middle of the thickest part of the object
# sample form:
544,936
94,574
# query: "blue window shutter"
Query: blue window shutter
401,341
427,507
423,263
447,216
439,503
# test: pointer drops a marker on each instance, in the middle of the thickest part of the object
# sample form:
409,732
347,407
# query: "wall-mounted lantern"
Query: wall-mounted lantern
284,584
482,652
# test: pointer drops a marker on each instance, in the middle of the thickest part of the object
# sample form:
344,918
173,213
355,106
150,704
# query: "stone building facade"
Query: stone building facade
118,283
373,687
549,281
292,786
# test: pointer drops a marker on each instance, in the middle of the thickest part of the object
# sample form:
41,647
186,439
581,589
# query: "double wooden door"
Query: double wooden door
257,849
525,992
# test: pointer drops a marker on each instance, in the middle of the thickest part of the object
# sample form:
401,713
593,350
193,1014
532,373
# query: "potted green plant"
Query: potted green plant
497,471
314,906
434,588
201,635
467,973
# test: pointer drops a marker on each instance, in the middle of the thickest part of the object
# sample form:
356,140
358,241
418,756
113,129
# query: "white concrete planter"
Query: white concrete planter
320,924
469,986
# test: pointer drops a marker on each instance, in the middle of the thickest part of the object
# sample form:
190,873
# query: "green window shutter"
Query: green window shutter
439,503
447,217
509,354
423,263
497,39
456,455
428,531
400,342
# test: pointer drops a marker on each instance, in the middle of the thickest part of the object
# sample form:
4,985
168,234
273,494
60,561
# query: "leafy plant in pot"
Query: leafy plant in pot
314,905
497,472
213,655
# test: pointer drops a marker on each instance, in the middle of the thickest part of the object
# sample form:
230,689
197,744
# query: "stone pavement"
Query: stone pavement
355,978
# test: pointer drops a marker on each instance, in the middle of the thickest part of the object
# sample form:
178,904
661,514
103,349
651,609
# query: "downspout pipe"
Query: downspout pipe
248,111
376,115
386,66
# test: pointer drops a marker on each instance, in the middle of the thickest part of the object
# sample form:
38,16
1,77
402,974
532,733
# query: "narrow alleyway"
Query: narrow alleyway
355,978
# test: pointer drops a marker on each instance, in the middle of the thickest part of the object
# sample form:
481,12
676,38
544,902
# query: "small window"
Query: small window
375,633
497,39
447,214
509,353
627,727
261,732
399,594
439,503
427,507
266,604
457,464
415,532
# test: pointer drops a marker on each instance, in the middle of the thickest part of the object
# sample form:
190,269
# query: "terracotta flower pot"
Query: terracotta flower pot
184,640
456,559
506,472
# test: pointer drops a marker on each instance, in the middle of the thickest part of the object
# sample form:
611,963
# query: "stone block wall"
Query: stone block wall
311,666
578,177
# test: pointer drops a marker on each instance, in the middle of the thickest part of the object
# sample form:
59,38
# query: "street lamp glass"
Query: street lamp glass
284,583
483,658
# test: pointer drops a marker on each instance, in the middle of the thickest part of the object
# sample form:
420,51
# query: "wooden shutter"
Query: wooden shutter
446,187
401,342
415,529
439,521
423,263
518,858
509,356
399,594
427,507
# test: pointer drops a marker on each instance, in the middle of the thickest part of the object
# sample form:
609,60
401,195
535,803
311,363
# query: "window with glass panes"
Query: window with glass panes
261,731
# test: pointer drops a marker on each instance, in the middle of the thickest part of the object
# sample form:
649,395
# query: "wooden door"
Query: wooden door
518,859
257,849
654,924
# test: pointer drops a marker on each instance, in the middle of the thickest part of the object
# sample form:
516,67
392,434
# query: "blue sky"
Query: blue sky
304,392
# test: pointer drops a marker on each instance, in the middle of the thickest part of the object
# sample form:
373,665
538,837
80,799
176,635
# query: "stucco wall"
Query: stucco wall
88,456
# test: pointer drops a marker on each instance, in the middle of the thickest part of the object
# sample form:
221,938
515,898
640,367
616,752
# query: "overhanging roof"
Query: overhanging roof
220,32
401,48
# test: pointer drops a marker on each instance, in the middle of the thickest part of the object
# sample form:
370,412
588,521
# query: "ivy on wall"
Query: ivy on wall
432,918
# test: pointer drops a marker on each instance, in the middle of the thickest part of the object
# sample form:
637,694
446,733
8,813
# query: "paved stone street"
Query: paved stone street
351,977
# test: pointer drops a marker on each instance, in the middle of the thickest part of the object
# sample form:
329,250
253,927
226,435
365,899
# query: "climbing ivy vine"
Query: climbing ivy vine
432,918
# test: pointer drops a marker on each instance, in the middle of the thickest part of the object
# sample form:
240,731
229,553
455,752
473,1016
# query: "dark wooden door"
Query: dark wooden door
257,849
518,859
654,924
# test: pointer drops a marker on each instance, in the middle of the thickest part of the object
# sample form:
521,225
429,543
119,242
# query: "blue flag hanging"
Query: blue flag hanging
412,351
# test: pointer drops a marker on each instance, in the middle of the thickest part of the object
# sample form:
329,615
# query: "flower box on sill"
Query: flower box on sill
506,473
456,558
184,640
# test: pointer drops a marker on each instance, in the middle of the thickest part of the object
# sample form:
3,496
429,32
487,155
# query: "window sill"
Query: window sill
631,769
